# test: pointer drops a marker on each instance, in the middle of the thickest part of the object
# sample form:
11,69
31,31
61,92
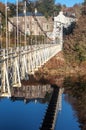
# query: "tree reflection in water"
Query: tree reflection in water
76,87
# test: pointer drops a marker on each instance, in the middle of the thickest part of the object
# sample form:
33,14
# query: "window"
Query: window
47,27
27,25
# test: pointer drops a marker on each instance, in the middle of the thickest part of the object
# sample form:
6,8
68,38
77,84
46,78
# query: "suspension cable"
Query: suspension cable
18,29
11,22
0,31
28,2
6,24
17,22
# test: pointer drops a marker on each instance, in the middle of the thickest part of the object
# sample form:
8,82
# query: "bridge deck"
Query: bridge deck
17,64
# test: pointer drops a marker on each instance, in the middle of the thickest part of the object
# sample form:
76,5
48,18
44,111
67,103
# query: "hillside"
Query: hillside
72,60
75,44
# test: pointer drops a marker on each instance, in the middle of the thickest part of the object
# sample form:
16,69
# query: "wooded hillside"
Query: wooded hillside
75,43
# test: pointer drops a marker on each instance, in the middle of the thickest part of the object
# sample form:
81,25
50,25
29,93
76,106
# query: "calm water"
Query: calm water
20,116
15,114
66,119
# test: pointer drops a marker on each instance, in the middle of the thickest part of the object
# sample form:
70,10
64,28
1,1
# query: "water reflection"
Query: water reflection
66,119
15,114
27,106
76,87
32,92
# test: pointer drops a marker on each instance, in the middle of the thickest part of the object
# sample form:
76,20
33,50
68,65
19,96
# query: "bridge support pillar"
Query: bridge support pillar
16,73
5,87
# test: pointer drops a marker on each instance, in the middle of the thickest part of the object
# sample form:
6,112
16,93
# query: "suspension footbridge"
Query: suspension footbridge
22,54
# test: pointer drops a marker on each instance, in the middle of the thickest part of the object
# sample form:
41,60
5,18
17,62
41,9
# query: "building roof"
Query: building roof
30,14
69,12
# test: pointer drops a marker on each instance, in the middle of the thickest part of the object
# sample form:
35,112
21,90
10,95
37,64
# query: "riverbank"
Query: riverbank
70,76
57,68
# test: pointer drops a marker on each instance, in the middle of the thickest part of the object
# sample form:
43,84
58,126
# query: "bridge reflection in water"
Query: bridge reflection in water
54,107
51,94
26,108
45,94
32,92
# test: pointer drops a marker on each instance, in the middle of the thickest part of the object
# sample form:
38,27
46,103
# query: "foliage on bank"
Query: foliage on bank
75,43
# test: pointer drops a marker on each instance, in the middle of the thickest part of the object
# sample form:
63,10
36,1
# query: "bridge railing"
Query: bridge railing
18,63
21,54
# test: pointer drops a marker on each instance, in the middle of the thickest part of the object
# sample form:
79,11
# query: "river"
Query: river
26,108
66,118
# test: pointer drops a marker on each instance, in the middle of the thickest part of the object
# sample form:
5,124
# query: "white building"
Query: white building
61,21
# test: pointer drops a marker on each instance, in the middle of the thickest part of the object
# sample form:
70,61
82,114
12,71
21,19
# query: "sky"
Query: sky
68,3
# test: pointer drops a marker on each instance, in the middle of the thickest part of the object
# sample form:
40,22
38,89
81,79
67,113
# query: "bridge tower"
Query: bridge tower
58,29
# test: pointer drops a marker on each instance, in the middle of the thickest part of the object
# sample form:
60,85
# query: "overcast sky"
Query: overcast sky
68,3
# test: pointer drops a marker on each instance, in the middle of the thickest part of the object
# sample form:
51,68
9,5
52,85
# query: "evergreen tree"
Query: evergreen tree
57,8
84,8
46,7
84,2
12,8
